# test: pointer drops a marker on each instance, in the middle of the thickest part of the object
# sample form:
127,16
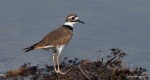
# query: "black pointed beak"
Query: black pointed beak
80,21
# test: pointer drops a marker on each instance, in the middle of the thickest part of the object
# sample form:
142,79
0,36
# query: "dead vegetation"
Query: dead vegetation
113,68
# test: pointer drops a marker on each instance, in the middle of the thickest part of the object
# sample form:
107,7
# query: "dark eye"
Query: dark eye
73,18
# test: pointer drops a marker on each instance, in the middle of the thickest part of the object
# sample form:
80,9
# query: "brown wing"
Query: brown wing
60,36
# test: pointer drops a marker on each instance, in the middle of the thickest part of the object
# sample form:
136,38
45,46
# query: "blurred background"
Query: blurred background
122,24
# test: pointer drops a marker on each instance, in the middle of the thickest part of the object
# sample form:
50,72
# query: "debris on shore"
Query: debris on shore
113,68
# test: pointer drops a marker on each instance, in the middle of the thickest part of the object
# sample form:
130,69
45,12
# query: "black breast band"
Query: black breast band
69,27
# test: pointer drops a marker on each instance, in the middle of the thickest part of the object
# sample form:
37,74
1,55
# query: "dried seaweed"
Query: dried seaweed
113,68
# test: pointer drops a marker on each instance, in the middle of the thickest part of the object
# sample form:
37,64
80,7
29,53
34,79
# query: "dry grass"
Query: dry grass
112,69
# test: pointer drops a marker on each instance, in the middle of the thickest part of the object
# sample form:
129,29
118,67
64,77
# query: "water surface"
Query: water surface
109,24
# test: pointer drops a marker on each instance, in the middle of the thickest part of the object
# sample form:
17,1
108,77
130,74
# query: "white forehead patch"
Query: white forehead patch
76,18
70,17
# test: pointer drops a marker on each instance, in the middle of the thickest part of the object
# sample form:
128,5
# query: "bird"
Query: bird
57,39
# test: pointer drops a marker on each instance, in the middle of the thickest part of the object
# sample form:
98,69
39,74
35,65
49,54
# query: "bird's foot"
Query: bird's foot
61,72
58,71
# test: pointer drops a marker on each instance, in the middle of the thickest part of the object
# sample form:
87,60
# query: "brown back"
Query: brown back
59,36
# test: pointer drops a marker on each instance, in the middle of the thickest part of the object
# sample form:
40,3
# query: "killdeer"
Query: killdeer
57,39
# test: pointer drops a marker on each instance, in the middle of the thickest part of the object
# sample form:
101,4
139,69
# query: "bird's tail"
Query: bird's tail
30,48
27,49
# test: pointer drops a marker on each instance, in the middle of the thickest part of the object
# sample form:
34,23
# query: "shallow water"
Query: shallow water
109,24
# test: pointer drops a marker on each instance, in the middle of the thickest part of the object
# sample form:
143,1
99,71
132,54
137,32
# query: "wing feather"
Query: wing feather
59,36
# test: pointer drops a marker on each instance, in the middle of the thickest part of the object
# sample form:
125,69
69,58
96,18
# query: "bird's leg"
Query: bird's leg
58,66
54,63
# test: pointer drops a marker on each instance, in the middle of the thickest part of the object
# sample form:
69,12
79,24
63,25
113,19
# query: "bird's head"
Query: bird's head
71,19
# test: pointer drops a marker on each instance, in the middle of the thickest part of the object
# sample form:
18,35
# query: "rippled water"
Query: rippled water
123,24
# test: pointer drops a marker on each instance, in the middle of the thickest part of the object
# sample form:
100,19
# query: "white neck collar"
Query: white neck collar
69,23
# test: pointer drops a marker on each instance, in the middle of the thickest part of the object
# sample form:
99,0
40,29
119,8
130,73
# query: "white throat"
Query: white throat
69,23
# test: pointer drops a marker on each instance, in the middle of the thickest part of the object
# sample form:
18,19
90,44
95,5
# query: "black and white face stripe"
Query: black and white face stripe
71,18
74,19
